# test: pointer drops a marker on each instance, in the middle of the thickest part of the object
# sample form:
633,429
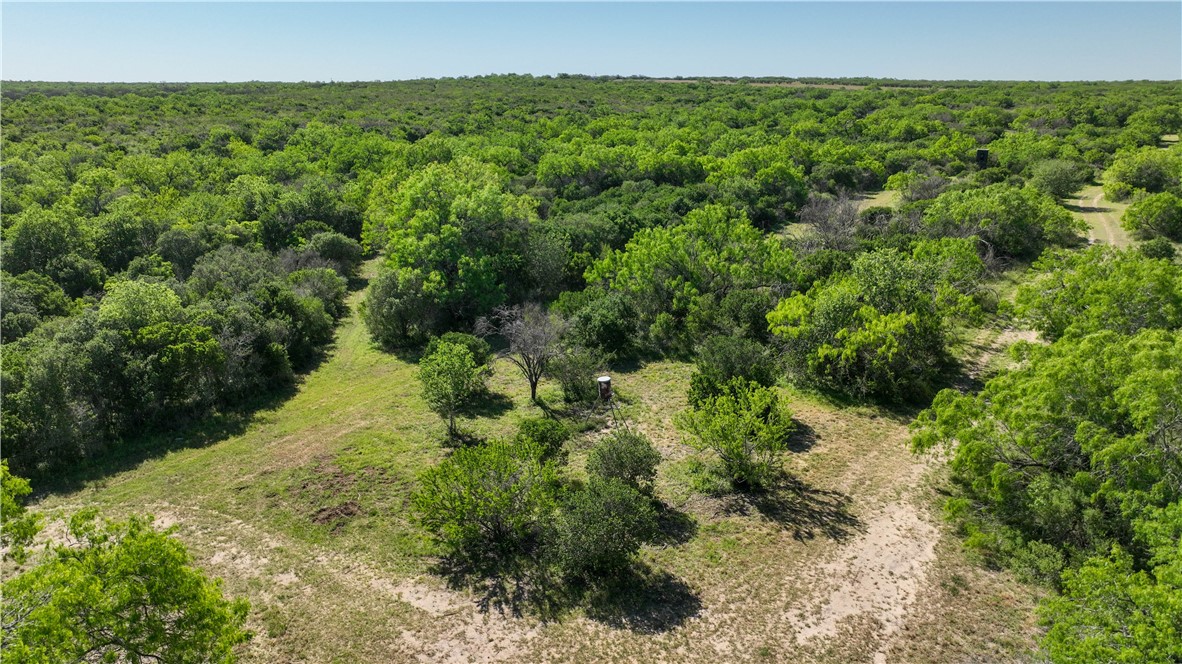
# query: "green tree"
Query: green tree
397,311
1155,215
18,526
1111,612
1101,288
882,329
450,378
674,275
1058,177
1012,221
722,359
1148,169
747,426
126,592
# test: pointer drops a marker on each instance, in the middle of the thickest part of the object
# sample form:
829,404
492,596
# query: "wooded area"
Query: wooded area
175,255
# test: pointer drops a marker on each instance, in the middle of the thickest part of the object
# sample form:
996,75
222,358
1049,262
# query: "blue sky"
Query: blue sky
172,41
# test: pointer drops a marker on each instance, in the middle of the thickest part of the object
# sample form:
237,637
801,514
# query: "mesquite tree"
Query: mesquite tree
533,336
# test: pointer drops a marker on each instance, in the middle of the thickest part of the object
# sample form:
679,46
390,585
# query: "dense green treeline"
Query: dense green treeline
174,250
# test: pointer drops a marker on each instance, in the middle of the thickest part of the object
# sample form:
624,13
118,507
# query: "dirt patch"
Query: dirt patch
877,574
336,515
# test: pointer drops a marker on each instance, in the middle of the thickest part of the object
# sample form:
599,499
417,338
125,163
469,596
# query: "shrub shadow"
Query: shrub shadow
673,526
513,585
802,438
804,510
643,600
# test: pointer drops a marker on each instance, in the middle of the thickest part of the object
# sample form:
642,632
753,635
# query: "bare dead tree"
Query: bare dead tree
533,336
834,220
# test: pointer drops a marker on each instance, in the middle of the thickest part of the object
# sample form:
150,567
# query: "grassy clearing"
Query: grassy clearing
1103,216
302,508
885,198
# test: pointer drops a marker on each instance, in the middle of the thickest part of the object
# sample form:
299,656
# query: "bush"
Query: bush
1158,247
625,456
324,285
1058,177
608,324
482,353
747,427
577,371
344,251
547,434
492,498
600,529
722,359
396,310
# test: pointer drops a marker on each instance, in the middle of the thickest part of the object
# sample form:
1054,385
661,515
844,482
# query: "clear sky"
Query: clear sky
313,41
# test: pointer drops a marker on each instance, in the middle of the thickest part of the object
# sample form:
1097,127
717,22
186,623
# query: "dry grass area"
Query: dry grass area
304,511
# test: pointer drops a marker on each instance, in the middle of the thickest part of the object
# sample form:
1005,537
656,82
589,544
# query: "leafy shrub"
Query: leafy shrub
600,528
626,456
1058,177
577,371
344,252
1015,222
396,310
722,359
607,324
1101,288
450,378
482,353
491,498
747,426
546,433
324,285
1158,247
1155,215
122,592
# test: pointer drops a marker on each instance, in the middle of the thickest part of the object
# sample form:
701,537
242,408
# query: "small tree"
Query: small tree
625,456
601,528
533,337
482,353
747,427
488,498
18,527
450,377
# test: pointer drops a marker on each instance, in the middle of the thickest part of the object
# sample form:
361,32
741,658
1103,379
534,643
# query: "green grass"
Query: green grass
1102,216
302,507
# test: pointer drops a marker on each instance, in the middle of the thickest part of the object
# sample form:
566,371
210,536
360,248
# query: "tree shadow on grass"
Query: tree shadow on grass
802,438
639,598
804,510
122,456
643,600
488,404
